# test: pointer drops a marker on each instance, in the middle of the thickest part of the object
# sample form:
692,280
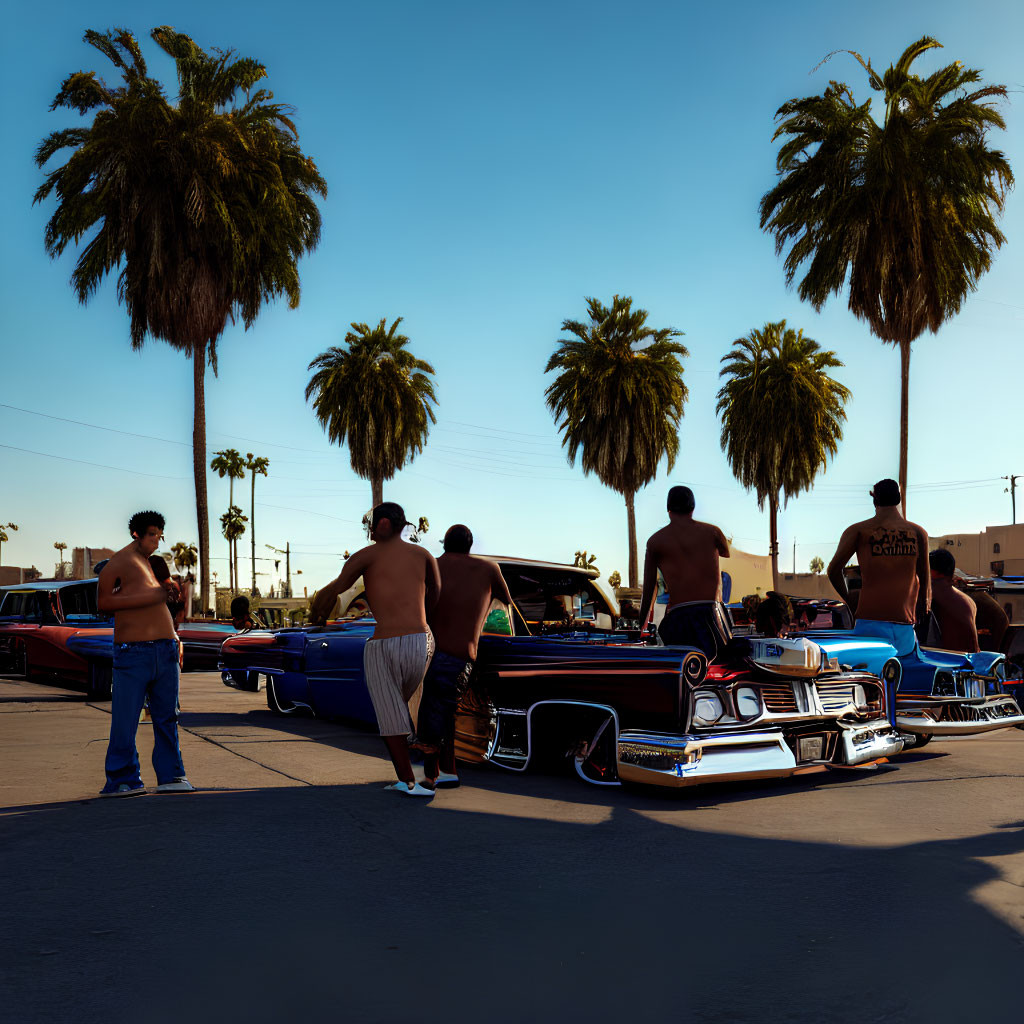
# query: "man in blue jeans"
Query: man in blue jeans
146,659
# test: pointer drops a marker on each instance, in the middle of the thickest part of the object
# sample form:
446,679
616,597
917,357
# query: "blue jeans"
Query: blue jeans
141,669
900,634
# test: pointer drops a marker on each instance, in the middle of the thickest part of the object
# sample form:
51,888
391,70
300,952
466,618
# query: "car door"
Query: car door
334,674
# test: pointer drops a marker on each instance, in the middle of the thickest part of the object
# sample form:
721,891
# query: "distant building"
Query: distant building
82,561
997,551
12,575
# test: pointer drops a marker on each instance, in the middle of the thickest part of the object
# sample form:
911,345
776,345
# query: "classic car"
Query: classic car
44,626
554,680
934,692
54,628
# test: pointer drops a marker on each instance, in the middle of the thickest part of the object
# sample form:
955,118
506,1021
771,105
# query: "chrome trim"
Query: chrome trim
492,748
915,718
868,741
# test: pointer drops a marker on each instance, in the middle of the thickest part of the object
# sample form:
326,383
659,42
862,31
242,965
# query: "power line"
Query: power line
98,465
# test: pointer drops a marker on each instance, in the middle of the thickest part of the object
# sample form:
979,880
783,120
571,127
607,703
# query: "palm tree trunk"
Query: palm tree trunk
231,544
634,569
252,532
773,534
377,489
199,470
904,417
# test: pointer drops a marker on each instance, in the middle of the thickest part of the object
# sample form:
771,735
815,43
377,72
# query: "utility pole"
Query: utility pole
1013,478
287,552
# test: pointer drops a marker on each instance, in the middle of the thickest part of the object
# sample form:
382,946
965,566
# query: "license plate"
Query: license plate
811,748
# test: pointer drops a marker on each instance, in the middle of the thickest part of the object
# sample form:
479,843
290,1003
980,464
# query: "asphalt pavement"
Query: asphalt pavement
292,886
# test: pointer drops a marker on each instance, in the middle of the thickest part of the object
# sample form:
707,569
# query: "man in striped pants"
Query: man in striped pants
402,585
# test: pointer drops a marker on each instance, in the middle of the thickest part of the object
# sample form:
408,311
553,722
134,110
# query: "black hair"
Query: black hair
142,521
680,499
391,511
942,561
886,493
240,607
458,539
774,612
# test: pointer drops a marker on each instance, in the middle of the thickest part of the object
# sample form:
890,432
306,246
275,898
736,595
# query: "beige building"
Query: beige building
998,551
83,559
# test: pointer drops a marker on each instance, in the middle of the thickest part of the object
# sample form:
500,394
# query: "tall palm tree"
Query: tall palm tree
4,536
203,206
229,463
618,399
375,396
61,548
901,211
781,414
255,465
232,525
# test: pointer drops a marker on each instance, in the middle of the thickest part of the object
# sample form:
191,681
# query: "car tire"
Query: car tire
100,681
282,707
921,740
249,681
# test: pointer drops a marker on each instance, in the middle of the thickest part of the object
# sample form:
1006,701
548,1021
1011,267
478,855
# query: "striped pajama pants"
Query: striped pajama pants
394,669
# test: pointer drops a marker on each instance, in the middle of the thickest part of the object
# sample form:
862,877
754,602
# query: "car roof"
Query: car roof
45,584
540,564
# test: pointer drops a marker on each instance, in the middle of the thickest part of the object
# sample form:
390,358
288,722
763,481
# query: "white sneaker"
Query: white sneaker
416,790
176,786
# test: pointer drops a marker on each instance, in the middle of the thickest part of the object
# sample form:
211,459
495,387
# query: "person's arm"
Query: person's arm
110,601
846,550
499,588
433,582
924,577
721,544
650,584
323,600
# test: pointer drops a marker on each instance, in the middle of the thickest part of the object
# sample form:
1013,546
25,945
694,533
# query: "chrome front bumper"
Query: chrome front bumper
943,716
661,759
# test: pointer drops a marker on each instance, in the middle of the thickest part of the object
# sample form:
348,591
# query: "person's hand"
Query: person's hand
172,588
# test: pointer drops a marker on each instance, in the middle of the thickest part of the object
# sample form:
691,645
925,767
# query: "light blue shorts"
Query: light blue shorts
900,634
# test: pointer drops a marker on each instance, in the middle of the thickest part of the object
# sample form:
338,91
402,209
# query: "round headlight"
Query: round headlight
707,707
748,703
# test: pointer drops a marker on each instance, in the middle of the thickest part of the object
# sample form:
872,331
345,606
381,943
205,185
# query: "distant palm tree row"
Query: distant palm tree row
205,207
229,463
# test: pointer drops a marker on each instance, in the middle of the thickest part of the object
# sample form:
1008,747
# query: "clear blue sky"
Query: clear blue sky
490,165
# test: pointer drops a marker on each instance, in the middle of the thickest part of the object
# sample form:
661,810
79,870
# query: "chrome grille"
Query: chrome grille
834,696
779,698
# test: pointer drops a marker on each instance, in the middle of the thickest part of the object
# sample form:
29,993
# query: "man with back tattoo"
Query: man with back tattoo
892,554
146,663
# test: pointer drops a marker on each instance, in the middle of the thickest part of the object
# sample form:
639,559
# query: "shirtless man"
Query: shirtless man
146,656
954,610
468,585
892,554
687,553
402,585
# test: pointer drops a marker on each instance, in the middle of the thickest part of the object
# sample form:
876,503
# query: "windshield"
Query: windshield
548,596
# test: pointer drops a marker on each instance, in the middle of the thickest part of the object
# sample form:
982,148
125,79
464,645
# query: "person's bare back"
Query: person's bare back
468,585
401,580
129,589
687,552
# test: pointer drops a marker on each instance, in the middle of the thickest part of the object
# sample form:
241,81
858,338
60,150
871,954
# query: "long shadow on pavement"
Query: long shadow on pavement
348,903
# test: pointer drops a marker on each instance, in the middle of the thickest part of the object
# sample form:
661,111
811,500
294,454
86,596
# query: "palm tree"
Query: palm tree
255,465
817,565
4,536
781,415
902,212
618,399
184,556
229,463
375,396
61,548
202,206
232,525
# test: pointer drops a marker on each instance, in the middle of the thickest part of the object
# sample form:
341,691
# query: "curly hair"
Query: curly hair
142,521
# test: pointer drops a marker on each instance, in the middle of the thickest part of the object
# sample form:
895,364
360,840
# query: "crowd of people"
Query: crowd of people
429,614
